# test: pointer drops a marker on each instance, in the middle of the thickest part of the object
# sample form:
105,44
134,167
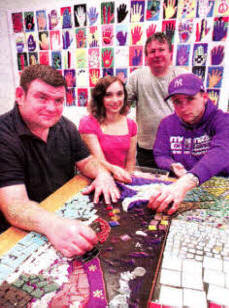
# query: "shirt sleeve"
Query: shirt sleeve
132,127
88,125
161,148
131,88
11,163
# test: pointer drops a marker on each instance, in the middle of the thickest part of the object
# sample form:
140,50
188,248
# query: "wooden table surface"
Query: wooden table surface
55,201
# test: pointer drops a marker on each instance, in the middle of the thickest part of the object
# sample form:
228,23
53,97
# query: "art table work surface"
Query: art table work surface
121,270
194,270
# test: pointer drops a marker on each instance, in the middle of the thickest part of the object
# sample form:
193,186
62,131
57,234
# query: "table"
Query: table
128,254
118,261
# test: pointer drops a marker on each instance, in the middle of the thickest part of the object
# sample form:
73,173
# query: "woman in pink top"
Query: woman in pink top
109,134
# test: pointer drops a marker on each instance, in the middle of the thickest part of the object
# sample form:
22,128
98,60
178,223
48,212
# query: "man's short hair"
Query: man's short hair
45,73
161,37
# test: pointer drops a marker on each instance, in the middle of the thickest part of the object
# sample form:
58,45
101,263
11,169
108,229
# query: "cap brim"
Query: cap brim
184,91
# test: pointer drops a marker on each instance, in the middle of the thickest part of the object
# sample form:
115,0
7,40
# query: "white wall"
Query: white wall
7,83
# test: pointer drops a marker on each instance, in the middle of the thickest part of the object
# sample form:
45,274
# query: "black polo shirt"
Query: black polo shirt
26,159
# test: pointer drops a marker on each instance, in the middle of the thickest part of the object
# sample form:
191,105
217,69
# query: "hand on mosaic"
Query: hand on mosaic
220,30
110,17
122,12
103,185
121,174
70,79
217,55
213,96
185,31
93,59
81,16
199,71
41,20
214,77
150,30
94,77
170,9
69,98
93,43
66,39
182,55
29,22
92,16
121,37
70,237
55,41
136,35
107,16
178,169
80,38
199,56
201,30
107,36
136,60
44,42
107,58
169,30
136,13
204,8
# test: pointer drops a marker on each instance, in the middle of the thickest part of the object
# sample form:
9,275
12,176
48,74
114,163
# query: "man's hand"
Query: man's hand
103,184
172,194
70,237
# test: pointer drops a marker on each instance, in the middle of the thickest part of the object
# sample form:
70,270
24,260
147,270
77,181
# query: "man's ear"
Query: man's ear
20,95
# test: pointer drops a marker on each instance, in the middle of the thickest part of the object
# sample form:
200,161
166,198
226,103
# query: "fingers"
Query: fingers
87,190
161,200
174,208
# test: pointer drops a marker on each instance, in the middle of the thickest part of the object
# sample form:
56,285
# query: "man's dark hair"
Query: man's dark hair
45,73
161,37
96,106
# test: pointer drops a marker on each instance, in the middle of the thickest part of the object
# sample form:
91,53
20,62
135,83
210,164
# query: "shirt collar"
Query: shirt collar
20,125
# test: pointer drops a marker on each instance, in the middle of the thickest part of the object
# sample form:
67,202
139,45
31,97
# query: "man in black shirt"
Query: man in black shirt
39,149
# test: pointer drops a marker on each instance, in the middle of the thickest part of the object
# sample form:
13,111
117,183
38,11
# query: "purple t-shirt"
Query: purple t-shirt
115,147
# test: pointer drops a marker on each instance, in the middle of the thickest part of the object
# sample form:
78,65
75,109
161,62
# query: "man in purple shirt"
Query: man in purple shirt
193,142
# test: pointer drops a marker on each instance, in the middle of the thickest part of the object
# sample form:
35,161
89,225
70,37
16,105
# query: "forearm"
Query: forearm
92,168
186,182
130,165
27,215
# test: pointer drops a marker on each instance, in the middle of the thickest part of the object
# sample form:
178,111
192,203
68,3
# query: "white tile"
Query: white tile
194,298
214,277
171,278
171,296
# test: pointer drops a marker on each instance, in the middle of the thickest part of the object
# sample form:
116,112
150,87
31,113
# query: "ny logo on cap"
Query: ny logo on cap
178,83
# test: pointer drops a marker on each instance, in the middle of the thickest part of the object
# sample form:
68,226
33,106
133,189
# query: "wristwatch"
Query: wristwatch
193,178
